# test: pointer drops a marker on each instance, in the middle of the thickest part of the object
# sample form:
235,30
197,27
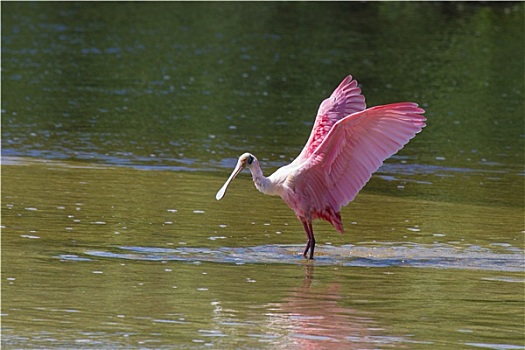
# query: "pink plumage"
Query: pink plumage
347,144
345,100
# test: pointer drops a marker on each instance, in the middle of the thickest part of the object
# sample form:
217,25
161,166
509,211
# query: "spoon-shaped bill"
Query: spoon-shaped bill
224,187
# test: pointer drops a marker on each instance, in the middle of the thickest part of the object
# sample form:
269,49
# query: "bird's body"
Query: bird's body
347,144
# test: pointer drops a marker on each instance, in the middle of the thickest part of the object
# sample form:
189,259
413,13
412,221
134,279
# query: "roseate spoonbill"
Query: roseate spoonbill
347,144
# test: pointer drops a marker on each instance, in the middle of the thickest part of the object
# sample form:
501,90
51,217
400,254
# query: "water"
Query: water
120,121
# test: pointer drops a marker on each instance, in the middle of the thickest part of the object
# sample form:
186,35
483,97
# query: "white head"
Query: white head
245,161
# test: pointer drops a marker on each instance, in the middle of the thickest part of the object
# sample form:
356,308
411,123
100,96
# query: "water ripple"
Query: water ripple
429,256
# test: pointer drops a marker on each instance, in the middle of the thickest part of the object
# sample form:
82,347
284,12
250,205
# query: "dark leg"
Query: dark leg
307,230
312,241
310,244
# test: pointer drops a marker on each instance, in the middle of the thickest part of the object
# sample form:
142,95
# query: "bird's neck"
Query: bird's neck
262,183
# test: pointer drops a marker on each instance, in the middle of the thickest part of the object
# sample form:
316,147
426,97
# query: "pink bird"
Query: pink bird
347,144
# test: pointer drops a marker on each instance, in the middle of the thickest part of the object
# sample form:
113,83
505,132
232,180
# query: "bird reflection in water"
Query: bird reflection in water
313,317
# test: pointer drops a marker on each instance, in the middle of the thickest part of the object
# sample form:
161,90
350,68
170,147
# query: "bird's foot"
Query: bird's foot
308,257
310,245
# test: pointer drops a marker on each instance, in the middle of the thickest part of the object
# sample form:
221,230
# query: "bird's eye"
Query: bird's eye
250,159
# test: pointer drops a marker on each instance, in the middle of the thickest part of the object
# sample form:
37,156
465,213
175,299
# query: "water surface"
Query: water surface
120,121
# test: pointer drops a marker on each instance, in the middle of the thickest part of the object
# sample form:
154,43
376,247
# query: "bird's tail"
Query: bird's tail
333,217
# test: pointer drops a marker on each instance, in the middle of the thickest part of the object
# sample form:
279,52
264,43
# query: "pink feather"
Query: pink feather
345,100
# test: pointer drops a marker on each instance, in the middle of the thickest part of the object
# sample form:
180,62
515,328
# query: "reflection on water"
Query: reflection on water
120,121
314,317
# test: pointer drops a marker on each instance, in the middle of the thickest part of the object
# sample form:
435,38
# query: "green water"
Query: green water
120,121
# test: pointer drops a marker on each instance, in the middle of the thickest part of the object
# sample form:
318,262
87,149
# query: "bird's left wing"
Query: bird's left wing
345,100
354,148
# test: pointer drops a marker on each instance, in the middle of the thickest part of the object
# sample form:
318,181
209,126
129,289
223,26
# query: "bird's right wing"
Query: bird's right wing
354,148
345,100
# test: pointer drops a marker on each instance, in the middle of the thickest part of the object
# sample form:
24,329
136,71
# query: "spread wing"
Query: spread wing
353,149
345,100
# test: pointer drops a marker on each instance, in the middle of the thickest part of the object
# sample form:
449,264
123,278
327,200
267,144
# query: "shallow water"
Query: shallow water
121,121
91,261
